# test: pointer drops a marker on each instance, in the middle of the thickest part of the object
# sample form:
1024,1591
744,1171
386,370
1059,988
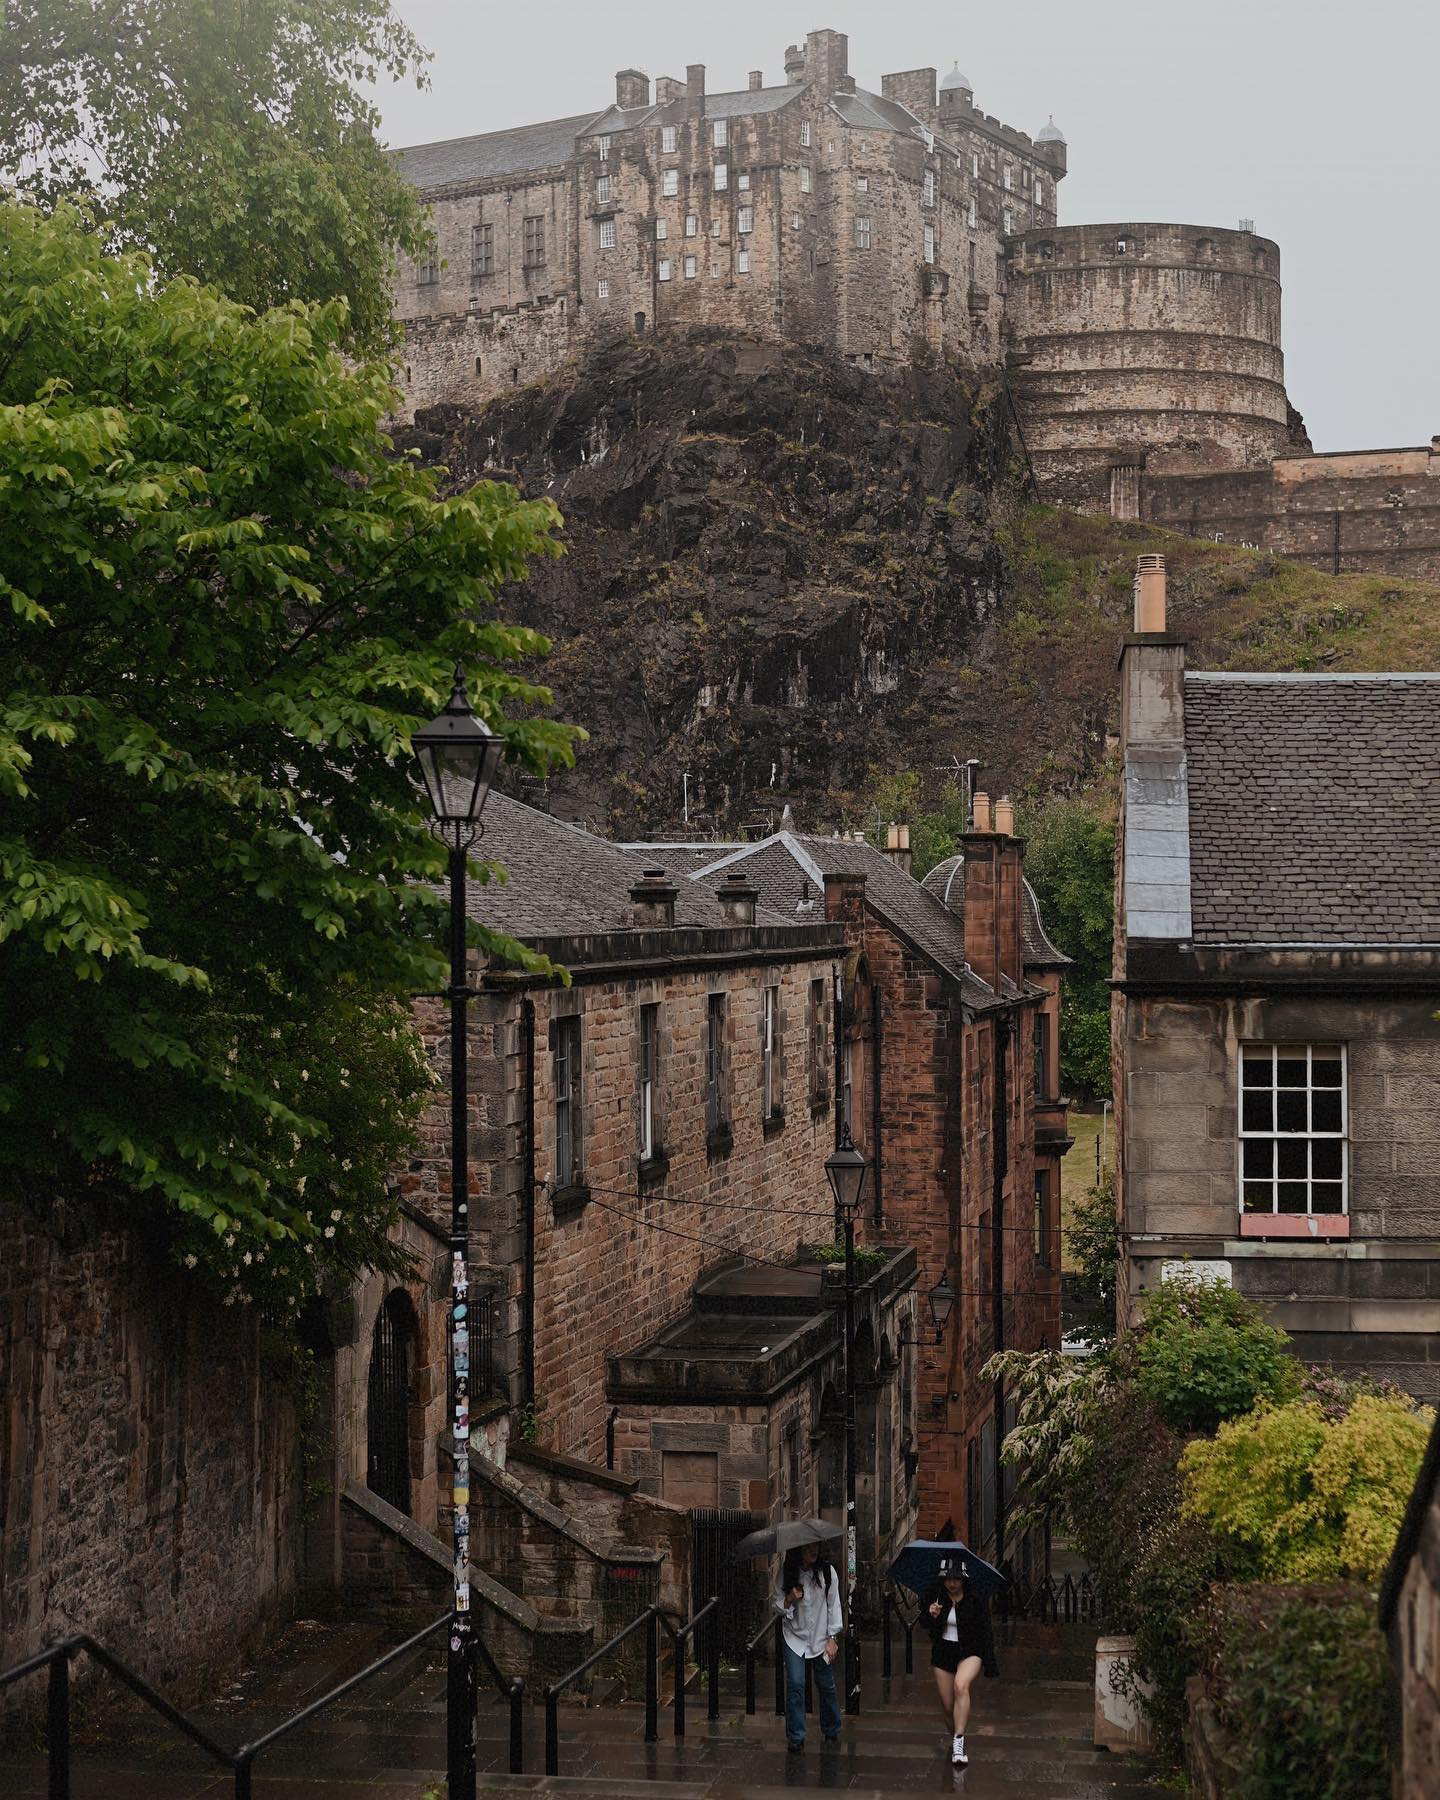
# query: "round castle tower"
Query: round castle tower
1154,346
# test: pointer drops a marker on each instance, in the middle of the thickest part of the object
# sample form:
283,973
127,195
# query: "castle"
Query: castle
1145,360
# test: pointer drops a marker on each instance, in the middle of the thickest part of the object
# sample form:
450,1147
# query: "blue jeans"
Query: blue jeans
795,1696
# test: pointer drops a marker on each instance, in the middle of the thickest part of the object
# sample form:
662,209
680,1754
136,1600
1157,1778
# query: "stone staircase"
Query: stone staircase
1029,1739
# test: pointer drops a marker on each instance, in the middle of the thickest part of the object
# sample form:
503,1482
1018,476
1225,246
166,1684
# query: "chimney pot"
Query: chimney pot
1005,816
1150,594
980,811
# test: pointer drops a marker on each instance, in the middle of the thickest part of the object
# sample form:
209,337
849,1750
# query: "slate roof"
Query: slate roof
872,112
564,881
492,153
1314,808
946,881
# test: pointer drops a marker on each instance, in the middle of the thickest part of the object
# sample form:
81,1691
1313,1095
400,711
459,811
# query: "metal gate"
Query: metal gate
714,1533
389,1401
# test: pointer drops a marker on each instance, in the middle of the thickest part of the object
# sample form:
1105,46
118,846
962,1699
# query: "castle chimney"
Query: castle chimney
757,80
980,811
632,88
667,88
1150,594
897,847
1005,816
794,65
654,899
737,898
695,90
827,59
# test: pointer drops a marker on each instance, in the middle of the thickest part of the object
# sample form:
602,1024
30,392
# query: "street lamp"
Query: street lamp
458,755
846,1169
941,1301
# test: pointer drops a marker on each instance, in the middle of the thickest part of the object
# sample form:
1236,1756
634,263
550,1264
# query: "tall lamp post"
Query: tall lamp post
458,756
846,1169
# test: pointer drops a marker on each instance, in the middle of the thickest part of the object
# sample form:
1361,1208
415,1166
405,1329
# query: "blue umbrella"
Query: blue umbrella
917,1567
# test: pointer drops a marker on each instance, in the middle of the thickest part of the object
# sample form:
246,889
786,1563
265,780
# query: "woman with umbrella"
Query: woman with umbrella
952,1584
808,1601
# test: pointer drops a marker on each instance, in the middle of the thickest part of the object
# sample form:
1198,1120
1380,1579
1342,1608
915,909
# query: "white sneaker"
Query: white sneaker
957,1751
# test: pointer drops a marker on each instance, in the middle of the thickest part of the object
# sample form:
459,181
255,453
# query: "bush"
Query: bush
1298,1675
1295,1496
1205,1354
1095,1247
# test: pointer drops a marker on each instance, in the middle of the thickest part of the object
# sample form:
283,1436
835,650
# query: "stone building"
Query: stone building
1410,1619
947,1060
1277,976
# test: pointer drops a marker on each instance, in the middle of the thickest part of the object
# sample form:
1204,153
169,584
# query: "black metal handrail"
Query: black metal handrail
239,1762
890,1606
772,1627
652,1618
679,1634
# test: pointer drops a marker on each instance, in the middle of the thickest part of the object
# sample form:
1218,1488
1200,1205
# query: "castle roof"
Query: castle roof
956,80
492,153
1050,133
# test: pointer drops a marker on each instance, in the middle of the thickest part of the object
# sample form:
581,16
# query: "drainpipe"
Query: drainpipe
1000,1139
876,1154
527,1314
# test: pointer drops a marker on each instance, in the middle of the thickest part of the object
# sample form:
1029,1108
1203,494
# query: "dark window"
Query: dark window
1292,1128
847,1087
534,242
770,1052
972,1492
1042,1056
715,1120
793,1496
566,1038
482,250
427,273
649,1069
818,1083
1042,1217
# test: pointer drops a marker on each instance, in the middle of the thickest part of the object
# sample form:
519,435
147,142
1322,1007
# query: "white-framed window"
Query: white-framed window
744,219
604,143
692,224
717,268
929,195
862,231
602,190
1007,222
929,243
722,177
805,133
427,272
607,234
692,267
1039,191
742,181
662,268
649,1071
973,213
769,1035
717,228
1292,1130
804,178
720,133
1009,178
742,262
975,164
796,221
662,228
667,140
862,184
670,183
602,290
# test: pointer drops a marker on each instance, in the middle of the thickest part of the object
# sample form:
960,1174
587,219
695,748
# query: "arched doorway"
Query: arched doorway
392,1372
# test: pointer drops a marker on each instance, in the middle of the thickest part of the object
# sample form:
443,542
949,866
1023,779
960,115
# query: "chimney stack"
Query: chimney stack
897,846
737,898
1150,594
980,811
757,80
695,90
632,88
1005,816
654,899
667,88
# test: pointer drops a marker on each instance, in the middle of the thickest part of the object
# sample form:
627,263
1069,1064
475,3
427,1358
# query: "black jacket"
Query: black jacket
972,1624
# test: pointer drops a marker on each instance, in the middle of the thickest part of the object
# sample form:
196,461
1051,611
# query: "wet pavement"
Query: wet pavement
1028,1740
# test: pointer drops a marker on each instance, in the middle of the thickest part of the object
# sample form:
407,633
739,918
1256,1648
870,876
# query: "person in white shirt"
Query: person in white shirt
808,1601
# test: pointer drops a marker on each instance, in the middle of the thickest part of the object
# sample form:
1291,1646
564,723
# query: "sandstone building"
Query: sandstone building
1277,973
1144,359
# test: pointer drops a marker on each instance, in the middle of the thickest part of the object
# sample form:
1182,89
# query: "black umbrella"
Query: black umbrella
771,1540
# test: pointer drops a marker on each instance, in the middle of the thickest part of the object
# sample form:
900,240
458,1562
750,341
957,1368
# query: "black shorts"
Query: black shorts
948,1656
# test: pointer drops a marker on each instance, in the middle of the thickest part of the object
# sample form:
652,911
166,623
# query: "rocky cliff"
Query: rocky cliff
788,579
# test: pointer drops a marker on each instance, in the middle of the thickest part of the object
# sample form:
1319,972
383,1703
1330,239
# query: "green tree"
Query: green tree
223,608
1204,1353
232,138
1069,860
934,831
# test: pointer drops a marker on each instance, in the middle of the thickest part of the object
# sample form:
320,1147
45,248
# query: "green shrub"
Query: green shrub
1293,1495
1298,1676
1205,1354
1095,1247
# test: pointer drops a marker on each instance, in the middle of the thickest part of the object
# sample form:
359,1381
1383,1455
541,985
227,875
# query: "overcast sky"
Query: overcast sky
1315,118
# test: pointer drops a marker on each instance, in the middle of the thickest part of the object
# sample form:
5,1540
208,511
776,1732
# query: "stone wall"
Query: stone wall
1350,511
468,358
149,1458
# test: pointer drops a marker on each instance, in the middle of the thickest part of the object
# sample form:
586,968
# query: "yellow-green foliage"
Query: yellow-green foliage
1297,1498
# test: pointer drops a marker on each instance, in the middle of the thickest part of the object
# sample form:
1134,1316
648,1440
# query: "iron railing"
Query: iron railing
240,1762
1050,1602
891,1608
774,1628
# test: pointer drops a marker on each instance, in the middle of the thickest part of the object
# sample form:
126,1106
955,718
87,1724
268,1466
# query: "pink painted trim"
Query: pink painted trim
1294,1225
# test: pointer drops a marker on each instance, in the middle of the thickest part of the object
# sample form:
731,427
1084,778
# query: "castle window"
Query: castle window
716,267
722,177
565,1051
1009,178
1009,224
975,164
972,220
533,242
662,228
742,262
720,133
427,273
805,133
929,196
862,232
743,182
479,370
692,225
1047,253
663,268
804,178
607,234
717,228
1039,191
602,190
667,140
482,250
796,221
692,267
862,184
604,143
929,243
602,290
1122,246
745,219
670,183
